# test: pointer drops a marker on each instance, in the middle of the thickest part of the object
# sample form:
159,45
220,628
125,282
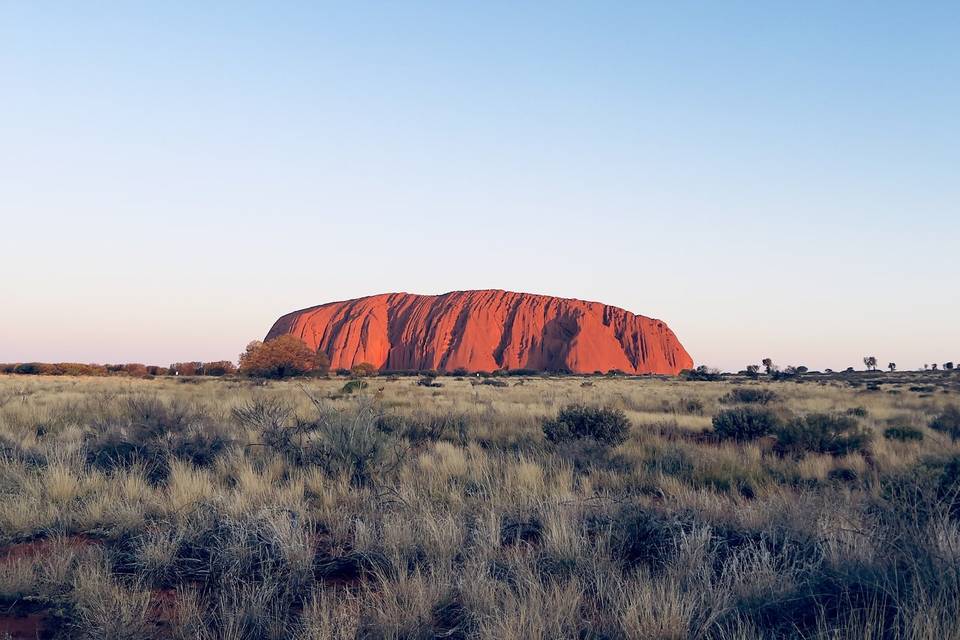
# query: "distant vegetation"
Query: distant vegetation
217,368
288,356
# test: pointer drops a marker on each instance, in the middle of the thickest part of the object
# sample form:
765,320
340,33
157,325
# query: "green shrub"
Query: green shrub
948,422
859,412
822,433
749,395
354,385
744,423
903,434
577,422
492,382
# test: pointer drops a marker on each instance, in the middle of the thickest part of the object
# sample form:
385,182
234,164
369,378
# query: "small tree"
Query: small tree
870,362
892,366
321,363
752,371
948,366
286,355
768,365
933,367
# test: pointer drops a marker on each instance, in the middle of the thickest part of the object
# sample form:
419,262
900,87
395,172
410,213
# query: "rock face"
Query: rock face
485,331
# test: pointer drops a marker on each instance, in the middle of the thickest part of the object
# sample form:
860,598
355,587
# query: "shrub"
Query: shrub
749,395
701,374
353,386
280,357
277,428
189,368
118,448
493,382
428,381
822,433
903,434
351,444
640,536
744,423
201,446
842,474
219,368
364,370
135,369
28,368
575,422
859,412
690,405
948,422
321,363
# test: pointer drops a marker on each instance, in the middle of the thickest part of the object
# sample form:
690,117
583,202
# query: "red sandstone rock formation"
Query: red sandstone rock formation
485,331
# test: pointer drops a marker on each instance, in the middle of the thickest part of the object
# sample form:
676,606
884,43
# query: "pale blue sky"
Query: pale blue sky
771,178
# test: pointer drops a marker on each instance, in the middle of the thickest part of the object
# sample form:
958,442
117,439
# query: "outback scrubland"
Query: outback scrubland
512,509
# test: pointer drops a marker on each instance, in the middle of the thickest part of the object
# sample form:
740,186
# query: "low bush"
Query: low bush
13,450
859,412
744,423
948,422
822,433
749,395
353,386
349,444
643,537
364,370
201,445
426,427
119,448
693,406
493,382
903,434
700,374
842,474
428,381
577,422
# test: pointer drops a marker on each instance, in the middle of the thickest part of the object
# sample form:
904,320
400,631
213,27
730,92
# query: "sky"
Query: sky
772,179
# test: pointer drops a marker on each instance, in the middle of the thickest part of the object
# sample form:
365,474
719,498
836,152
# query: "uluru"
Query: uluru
485,331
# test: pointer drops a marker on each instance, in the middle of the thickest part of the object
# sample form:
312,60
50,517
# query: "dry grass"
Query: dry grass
229,509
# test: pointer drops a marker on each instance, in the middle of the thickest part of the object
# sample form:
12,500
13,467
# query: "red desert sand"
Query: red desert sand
485,331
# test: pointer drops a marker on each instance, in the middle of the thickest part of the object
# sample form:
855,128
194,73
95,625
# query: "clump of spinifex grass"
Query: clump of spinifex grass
626,508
